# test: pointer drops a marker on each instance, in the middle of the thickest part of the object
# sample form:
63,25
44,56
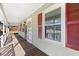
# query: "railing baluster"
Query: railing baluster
3,39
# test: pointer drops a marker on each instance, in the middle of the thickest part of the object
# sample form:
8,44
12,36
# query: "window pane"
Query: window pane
53,25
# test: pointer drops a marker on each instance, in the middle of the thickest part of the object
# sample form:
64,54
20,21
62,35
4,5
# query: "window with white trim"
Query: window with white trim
53,25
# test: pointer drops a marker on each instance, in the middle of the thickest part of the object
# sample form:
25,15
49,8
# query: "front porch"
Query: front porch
17,46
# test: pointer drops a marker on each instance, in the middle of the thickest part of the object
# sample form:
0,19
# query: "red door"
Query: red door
40,26
72,21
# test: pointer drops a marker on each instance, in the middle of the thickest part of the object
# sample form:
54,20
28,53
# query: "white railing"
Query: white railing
7,50
2,39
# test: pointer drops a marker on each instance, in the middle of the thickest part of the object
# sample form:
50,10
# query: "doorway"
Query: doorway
29,30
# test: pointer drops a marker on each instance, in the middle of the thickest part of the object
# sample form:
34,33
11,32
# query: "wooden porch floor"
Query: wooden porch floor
29,49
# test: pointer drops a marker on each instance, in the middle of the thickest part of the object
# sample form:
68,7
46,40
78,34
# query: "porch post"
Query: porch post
2,37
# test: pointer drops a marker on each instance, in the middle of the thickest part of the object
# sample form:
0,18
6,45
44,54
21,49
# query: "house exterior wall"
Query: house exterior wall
48,46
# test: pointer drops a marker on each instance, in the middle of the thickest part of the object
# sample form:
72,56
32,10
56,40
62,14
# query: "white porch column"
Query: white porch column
2,37
8,30
2,41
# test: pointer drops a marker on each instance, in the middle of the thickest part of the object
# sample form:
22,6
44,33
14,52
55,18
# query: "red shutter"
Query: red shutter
72,21
40,25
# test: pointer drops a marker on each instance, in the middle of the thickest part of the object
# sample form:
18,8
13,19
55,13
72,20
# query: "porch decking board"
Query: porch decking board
29,49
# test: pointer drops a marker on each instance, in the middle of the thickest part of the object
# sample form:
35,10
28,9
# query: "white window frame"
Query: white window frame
63,28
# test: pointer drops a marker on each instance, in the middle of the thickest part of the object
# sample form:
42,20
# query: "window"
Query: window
53,25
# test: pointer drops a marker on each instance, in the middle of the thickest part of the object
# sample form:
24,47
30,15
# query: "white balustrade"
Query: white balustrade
3,39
